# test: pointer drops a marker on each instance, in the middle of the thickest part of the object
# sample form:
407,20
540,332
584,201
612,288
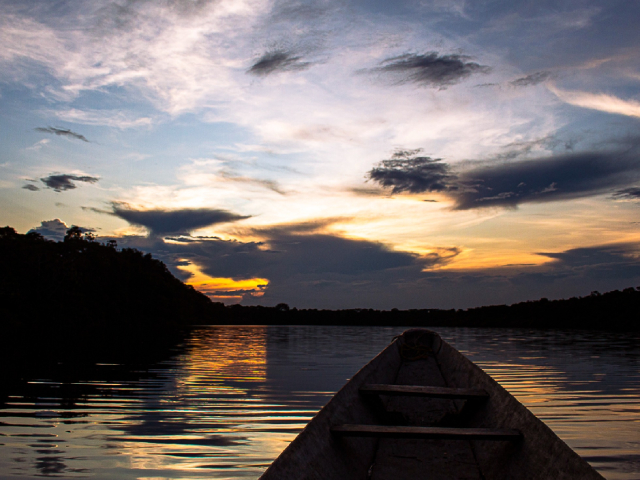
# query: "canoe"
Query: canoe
422,410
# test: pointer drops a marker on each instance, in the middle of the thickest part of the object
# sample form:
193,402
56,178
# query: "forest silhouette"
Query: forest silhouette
81,290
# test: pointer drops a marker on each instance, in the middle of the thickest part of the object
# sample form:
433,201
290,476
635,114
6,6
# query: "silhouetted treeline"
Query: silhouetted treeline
80,288
616,310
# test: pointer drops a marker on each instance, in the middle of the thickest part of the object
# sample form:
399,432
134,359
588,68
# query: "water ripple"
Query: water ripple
228,401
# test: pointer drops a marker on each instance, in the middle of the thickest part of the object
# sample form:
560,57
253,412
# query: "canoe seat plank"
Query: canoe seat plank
422,391
383,431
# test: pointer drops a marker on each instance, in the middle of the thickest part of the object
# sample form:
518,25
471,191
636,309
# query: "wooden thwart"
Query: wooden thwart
421,391
383,431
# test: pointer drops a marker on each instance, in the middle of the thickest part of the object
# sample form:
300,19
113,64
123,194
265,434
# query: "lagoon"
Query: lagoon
225,402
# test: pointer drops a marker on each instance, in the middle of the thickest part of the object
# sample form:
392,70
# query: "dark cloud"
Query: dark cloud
277,61
289,252
631,193
31,187
368,192
310,269
558,177
62,182
571,273
612,261
601,267
532,79
299,249
508,184
163,222
430,69
62,132
408,172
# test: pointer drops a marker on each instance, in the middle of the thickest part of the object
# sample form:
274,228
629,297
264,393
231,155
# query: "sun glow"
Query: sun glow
223,289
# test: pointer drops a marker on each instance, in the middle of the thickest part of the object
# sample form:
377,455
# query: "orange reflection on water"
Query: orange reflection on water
219,354
213,411
533,385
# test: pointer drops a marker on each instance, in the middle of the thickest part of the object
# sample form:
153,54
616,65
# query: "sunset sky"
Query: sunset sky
333,154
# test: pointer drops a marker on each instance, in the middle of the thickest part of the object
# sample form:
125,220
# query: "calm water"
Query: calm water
225,404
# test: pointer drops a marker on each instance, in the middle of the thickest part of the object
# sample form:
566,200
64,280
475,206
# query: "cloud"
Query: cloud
572,272
631,193
277,61
532,79
291,253
54,229
407,172
601,267
62,132
163,222
63,182
309,269
597,257
119,118
509,184
269,184
38,145
430,69
558,177
598,101
31,187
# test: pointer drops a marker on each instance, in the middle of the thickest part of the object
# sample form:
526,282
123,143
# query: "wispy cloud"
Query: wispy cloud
31,187
532,79
277,61
63,182
430,69
269,184
63,132
110,118
631,193
598,101
38,145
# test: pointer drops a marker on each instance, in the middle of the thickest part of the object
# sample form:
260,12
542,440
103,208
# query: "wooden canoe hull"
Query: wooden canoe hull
317,453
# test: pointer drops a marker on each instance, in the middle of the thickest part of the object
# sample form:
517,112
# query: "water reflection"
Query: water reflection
584,385
228,400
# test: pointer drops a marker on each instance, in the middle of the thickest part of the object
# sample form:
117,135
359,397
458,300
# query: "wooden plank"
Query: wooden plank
383,431
422,391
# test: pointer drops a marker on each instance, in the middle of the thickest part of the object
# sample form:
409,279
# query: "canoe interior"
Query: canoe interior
380,436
